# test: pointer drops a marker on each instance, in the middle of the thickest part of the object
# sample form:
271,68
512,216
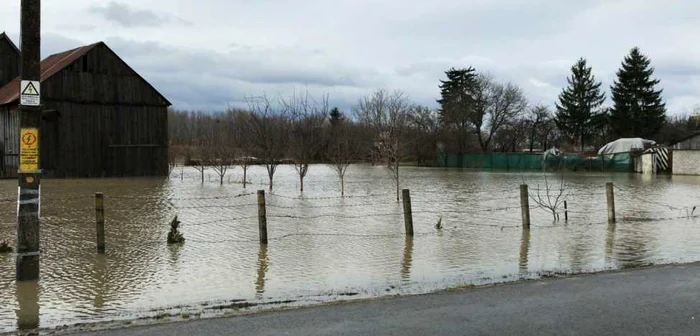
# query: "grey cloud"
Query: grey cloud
212,80
126,16
348,49
77,27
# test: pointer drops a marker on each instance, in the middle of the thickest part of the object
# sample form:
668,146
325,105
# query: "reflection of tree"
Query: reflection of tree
407,259
174,250
524,251
262,270
27,293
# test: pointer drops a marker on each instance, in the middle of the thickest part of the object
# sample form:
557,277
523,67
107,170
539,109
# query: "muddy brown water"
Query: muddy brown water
322,246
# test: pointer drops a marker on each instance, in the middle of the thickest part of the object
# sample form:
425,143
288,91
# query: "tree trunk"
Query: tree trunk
481,142
270,176
202,169
301,183
342,185
461,146
221,179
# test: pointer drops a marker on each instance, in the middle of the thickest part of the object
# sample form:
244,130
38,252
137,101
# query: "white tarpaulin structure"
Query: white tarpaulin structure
625,145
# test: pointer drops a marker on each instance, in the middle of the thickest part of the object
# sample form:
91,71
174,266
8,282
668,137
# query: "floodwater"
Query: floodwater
324,247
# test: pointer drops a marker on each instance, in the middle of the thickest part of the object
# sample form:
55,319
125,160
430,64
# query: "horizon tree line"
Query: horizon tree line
476,113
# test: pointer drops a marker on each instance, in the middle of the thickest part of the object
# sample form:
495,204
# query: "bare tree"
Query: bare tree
540,126
387,115
425,123
307,117
551,196
242,140
219,151
344,148
496,105
200,164
269,129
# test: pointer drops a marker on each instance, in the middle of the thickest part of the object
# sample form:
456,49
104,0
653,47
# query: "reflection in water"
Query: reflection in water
27,293
407,259
609,243
99,274
175,254
524,251
634,246
327,244
262,270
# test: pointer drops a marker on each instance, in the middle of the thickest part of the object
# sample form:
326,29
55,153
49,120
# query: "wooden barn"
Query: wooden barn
100,118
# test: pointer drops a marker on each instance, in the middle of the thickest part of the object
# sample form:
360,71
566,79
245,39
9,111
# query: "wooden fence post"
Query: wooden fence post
525,205
100,222
610,193
262,217
566,212
407,214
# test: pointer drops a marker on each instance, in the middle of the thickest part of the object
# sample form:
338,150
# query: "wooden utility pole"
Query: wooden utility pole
30,118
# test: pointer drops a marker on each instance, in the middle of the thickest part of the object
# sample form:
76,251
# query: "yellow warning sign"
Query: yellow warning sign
28,150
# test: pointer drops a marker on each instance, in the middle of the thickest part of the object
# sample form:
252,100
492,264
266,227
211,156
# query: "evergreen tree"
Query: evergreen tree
457,102
336,117
638,110
579,113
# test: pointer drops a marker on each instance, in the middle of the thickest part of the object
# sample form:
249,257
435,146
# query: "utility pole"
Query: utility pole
30,118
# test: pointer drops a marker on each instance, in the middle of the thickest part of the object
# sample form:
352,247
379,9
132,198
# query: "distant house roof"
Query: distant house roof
55,63
4,36
689,136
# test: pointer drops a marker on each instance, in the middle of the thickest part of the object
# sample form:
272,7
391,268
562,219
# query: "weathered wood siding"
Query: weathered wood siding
91,140
9,62
9,135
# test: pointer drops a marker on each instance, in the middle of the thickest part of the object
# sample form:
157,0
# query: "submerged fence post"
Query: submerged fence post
407,214
611,202
566,212
262,217
525,205
100,222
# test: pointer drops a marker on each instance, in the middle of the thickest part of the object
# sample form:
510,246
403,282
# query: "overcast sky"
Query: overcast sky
209,54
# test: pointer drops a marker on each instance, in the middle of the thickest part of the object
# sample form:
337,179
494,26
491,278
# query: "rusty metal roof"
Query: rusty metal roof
53,64
49,67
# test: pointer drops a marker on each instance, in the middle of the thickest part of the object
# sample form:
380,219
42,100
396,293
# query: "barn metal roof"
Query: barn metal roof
52,65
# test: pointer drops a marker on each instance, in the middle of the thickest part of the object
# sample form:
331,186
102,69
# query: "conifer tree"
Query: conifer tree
638,109
457,102
579,113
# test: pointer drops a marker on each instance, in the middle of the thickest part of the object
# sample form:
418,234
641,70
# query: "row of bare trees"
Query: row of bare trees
385,128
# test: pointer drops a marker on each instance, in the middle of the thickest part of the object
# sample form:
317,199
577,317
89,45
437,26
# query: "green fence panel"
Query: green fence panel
620,162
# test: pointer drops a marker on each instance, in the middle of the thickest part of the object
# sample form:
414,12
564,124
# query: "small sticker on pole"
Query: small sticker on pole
30,93
29,150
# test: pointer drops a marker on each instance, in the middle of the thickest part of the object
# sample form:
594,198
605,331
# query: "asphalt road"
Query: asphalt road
655,301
